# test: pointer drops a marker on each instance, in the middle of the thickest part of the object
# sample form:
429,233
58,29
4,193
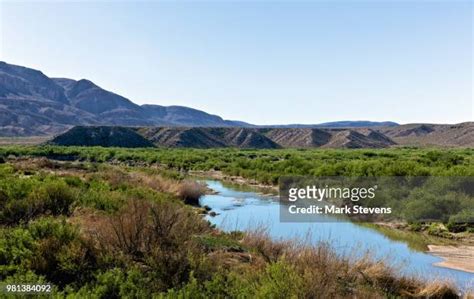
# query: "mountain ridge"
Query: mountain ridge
218,137
33,104
460,135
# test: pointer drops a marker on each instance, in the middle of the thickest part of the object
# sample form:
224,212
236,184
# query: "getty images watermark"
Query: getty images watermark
374,199
328,193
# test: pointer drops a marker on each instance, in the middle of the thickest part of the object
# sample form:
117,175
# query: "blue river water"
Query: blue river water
243,210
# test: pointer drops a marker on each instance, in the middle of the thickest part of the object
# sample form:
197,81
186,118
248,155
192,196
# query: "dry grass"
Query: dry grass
437,289
188,191
45,165
155,182
34,140
31,164
140,227
328,275
156,237
259,241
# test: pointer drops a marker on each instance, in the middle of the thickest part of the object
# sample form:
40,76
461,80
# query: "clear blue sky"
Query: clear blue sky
264,62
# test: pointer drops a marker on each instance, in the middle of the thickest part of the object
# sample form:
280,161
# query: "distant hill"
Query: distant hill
299,137
329,138
209,137
185,116
365,138
102,136
357,124
460,135
457,135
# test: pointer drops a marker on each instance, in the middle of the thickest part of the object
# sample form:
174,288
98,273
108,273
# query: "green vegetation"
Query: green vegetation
267,166
107,231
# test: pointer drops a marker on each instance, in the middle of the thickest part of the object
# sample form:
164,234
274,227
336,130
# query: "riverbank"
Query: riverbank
454,257
457,254
430,233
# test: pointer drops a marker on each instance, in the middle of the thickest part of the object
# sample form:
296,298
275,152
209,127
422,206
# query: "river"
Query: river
243,210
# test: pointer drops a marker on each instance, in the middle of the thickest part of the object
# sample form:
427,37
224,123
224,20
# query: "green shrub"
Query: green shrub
463,221
222,242
436,229
415,226
60,254
17,247
73,181
21,202
102,200
108,284
279,281
54,198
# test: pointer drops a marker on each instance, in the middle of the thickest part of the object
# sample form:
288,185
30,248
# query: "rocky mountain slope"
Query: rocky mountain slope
364,138
200,137
32,104
461,135
457,135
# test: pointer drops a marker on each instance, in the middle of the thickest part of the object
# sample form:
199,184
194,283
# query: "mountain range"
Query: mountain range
33,104
460,135
82,113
